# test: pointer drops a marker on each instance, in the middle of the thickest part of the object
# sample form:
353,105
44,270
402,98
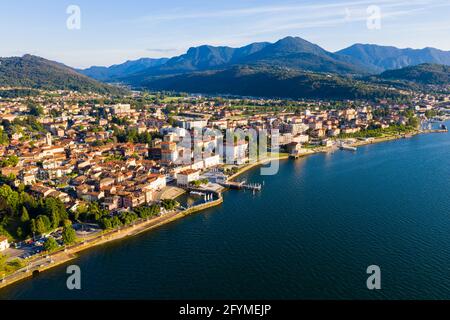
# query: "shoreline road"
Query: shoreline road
46,262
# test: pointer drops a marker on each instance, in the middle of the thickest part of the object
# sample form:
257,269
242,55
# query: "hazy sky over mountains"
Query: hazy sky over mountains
112,31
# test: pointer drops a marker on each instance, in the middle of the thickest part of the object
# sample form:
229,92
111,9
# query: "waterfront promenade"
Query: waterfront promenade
44,263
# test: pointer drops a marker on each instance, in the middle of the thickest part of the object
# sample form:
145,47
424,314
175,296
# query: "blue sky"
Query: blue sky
112,31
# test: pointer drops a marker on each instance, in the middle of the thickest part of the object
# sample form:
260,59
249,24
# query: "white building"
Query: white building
236,153
294,128
169,151
158,181
301,138
197,165
4,244
211,161
121,109
189,124
184,178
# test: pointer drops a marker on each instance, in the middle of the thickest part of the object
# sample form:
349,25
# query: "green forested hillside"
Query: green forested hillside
35,72
427,74
263,81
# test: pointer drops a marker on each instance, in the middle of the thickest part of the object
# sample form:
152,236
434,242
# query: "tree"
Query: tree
414,122
4,140
19,232
106,223
169,204
33,226
115,222
21,188
145,137
36,111
155,209
93,213
145,212
68,235
25,217
79,212
198,183
28,201
51,245
11,198
67,223
128,218
10,161
55,220
43,224
55,209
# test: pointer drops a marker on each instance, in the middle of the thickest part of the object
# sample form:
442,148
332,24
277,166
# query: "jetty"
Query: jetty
442,130
242,185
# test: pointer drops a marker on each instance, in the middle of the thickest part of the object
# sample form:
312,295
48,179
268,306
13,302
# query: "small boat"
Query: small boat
443,127
348,148
197,193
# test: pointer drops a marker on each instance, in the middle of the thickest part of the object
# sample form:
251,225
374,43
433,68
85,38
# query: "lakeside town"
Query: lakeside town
78,166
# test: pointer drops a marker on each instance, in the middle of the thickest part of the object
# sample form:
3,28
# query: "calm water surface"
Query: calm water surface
311,233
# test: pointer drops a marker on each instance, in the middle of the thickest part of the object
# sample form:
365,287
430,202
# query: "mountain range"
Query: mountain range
119,70
382,58
289,52
291,67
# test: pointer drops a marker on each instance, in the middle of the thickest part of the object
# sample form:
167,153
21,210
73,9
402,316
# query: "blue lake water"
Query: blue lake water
311,233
